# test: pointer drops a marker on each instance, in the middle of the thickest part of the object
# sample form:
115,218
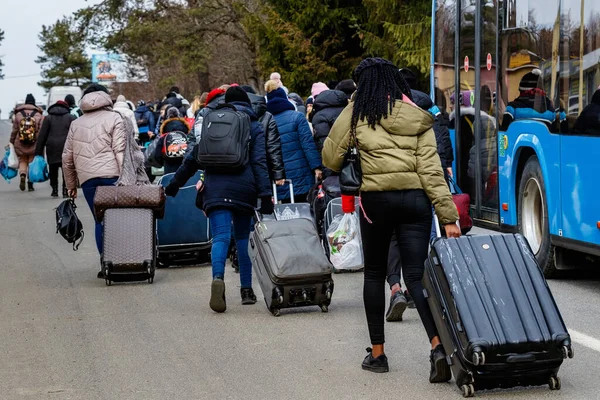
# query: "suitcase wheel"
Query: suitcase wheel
107,280
276,312
478,358
150,271
567,352
324,308
468,390
554,383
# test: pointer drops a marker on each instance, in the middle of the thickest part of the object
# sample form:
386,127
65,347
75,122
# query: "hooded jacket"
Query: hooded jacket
53,134
400,154
588,122
122,107
237,190
440,127
95,144
272,139
23,149
327,107
143,112
300,155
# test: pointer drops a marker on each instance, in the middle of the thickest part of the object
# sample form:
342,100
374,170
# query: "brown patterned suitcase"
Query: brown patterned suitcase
129,245
140,196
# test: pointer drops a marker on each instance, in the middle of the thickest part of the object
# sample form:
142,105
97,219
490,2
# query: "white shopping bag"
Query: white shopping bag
13,160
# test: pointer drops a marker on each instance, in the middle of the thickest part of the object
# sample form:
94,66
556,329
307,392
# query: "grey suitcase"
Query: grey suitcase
289,270
129,245
291,210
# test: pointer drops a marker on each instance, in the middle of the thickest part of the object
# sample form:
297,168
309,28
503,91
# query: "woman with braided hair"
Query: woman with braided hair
402,177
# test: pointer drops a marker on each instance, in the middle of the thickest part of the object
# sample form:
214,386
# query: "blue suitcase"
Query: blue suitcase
184,235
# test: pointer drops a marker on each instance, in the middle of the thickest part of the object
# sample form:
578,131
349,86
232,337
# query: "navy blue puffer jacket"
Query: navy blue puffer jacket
235,190
300,155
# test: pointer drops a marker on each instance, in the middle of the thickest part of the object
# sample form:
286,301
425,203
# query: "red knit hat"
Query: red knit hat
214,93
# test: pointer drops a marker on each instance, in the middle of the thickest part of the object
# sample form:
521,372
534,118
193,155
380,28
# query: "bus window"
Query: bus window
582,50
444,53
530,68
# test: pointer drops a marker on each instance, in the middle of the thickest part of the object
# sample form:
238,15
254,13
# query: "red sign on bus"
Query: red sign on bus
466,63
489,62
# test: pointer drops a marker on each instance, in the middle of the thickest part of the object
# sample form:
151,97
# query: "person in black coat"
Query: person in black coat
588,122
273,142
231,197
53,136
327,107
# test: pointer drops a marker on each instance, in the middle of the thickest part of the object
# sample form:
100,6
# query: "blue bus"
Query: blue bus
515,79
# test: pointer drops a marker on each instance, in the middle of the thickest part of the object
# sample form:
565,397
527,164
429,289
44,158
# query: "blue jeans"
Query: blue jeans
89,191
220,224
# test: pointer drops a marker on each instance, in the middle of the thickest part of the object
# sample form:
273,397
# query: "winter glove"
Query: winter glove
171,190
266,205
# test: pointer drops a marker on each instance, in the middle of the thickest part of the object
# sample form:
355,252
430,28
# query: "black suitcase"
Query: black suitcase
129,245
290,269
497,320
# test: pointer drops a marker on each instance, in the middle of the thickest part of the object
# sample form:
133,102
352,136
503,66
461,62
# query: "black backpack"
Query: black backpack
67,223
225,140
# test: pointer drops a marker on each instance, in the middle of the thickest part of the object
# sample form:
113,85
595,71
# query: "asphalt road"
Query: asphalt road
65,335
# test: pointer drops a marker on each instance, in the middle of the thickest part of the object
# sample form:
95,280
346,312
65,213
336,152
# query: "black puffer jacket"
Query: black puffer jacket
53,133
327,108
440,127
588,122
272,139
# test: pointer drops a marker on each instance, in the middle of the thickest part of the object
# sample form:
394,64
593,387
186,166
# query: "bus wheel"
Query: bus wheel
533,216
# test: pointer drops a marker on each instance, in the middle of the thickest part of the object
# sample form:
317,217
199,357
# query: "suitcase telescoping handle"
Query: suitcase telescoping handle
289,182
438,229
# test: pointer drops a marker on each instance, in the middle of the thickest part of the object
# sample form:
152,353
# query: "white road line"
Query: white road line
585,340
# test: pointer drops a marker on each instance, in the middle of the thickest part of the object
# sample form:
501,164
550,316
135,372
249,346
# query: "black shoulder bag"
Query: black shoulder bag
351,173
67,223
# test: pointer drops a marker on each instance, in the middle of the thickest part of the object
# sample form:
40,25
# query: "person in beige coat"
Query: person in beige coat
95,148
26,150
122,107
402,177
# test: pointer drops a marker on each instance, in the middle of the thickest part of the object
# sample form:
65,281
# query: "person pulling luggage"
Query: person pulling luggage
401,177
229,192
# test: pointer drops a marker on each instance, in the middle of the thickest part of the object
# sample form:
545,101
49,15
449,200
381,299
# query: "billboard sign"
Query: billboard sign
110,67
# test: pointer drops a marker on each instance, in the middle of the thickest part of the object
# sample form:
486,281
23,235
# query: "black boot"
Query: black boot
65,193
22,184
440,370
248,296
54,191
30,187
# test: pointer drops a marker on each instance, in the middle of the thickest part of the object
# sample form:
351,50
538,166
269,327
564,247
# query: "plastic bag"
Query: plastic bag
149,153
7,172
157,171
13,160
345,244
38,170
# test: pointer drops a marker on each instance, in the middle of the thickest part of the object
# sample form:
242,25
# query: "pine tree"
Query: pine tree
1,63
63,58
399,31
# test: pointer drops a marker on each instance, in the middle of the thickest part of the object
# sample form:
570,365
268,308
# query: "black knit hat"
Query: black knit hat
94,87
409,77
236,93
29,99
347,86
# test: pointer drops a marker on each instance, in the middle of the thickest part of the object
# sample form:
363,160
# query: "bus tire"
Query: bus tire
533,216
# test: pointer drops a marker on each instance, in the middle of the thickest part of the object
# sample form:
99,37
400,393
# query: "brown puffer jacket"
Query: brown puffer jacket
20,148
96,142
400,154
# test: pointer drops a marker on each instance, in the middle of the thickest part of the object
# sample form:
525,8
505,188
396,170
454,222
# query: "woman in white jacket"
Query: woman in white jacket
122,107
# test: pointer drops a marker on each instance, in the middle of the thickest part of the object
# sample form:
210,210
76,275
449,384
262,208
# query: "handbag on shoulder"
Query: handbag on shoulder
351,173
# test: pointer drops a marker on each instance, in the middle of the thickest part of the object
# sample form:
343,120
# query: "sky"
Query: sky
19,47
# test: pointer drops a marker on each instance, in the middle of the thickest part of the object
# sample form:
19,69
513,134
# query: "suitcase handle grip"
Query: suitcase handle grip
521,358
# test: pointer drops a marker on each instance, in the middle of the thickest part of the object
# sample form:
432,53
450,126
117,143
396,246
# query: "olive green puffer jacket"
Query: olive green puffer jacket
400,154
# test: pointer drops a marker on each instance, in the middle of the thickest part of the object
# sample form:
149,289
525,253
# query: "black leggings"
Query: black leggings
408,214
53,172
